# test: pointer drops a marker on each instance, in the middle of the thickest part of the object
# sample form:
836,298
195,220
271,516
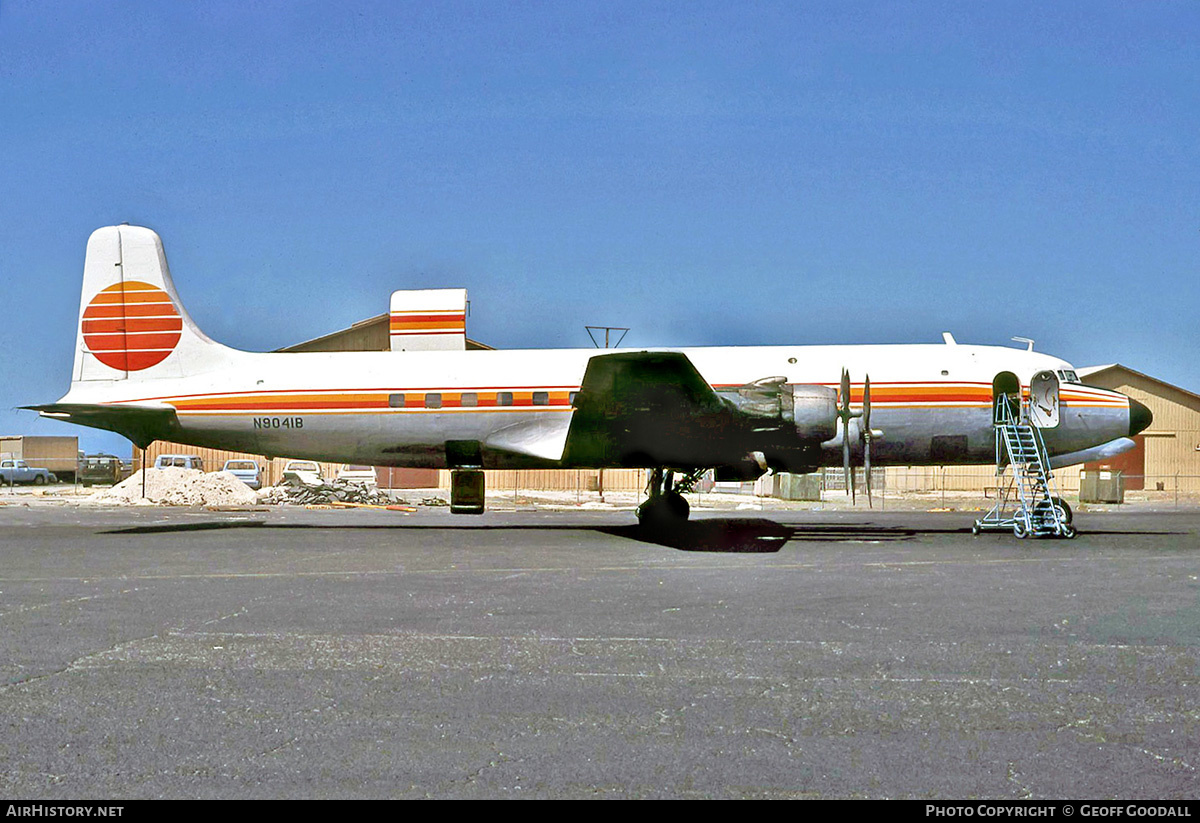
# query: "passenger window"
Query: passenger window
396,401
541,398
433,400
504,398
469,398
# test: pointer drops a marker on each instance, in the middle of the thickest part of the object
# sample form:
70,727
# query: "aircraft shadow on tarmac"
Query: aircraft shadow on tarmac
714,534
731,535
750,535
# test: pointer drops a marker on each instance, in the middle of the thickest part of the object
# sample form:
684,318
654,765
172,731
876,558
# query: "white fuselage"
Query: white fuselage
400,408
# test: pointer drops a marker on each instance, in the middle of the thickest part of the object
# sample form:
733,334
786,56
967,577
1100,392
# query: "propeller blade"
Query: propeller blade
844,414
866,412
867,466
866,436
846,463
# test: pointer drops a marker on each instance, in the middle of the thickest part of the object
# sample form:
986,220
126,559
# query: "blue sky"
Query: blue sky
704,173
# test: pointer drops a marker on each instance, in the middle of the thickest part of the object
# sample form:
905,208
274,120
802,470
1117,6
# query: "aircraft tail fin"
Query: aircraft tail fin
132,325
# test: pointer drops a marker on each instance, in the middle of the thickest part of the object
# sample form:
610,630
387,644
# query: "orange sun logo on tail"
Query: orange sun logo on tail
131,326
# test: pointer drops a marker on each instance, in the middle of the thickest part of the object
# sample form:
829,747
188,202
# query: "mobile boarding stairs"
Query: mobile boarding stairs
1027,498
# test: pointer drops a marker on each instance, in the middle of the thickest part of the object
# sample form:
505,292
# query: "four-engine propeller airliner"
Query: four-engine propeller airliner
144,369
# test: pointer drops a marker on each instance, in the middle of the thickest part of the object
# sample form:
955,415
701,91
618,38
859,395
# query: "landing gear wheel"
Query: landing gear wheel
664,511
677,505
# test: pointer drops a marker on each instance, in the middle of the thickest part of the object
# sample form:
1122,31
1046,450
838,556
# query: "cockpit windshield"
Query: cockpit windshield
1067,376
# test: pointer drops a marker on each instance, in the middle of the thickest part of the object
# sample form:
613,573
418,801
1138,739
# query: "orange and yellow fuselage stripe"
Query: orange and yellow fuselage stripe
558,398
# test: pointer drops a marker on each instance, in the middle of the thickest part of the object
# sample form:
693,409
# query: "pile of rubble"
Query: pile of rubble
188,487
303,491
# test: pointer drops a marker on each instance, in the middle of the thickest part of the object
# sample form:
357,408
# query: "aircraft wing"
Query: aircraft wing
141,424
649,408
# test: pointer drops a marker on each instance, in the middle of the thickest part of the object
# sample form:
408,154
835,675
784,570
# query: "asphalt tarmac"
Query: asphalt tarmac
154,653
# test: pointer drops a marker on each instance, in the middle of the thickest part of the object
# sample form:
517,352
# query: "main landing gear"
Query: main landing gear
665,505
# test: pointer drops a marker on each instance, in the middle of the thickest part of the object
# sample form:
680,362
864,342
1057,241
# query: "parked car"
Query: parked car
306,470
357,474
100,468
18,471
182,461
247,471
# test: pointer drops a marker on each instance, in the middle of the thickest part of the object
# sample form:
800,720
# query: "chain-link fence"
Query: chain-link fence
930,487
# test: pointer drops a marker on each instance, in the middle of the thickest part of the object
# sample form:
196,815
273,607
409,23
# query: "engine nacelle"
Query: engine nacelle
810,410
814,412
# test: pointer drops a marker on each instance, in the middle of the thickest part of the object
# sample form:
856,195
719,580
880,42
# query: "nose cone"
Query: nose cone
1140,417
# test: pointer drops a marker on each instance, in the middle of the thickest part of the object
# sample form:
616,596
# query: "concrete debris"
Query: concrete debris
300,492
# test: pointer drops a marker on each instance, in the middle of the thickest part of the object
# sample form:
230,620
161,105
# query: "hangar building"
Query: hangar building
1167,452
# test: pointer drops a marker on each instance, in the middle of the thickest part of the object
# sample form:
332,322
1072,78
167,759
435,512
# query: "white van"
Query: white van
182,461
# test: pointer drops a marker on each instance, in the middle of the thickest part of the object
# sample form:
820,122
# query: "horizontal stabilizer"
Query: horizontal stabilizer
141,424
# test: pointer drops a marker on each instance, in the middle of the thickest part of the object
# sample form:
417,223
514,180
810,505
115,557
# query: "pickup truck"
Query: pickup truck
245,470
18,471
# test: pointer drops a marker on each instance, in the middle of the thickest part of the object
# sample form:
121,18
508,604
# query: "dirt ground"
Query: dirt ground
536,500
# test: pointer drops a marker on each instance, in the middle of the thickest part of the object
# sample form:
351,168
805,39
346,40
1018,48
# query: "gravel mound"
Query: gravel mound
177,487
213,489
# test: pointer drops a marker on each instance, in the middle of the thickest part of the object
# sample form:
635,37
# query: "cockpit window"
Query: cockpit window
1068,376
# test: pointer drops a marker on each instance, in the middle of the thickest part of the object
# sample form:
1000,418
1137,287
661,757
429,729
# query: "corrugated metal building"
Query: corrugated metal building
372,334
1168,453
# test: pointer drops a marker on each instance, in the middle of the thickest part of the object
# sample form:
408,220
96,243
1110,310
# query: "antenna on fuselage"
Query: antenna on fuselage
608,330
1028,343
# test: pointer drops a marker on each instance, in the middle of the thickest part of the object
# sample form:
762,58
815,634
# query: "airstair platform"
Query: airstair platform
1027,502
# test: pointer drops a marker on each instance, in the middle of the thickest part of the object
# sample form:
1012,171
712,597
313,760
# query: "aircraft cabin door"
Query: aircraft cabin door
1043,400
1006,386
